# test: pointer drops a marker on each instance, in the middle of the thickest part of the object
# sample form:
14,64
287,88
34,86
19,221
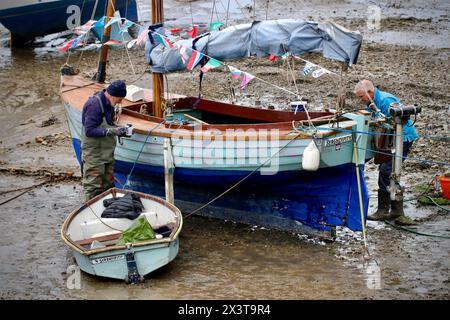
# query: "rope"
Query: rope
242,180
140,151
27,189
228,10
414,231
385,134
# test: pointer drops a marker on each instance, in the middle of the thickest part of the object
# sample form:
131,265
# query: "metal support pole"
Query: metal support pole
101,70
168,171
395,188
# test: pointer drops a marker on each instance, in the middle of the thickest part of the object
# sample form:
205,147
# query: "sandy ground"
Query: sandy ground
408,56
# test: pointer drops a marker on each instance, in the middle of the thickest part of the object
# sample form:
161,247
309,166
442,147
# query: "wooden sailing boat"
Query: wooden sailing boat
252,157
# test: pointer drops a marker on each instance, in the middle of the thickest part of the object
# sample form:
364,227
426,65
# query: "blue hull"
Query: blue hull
46,18
293,200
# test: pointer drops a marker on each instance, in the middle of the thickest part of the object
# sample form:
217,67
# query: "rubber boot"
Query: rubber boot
396,209
384,202
398,214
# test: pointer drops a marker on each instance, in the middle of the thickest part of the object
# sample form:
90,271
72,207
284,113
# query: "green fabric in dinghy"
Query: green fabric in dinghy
139,231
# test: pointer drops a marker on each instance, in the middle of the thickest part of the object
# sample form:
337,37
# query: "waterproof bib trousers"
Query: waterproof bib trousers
98,160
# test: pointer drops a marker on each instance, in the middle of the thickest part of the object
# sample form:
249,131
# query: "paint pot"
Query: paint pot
298,106
311,157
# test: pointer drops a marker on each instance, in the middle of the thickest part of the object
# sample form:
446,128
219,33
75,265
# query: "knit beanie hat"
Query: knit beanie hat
117,88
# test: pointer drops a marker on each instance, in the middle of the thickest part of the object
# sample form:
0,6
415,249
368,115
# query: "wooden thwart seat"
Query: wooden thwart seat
105,238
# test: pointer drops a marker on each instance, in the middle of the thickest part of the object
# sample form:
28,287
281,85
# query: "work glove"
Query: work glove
119,131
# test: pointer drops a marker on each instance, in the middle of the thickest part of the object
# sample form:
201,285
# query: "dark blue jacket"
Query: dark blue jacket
92,116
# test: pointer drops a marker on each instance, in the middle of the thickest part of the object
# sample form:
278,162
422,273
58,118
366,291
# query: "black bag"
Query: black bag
128,206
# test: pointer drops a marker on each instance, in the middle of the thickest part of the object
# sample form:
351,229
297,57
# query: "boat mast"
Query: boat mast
158,84
101,71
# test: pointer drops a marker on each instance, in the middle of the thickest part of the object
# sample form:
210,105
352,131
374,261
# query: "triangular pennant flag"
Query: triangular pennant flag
163,40
112,21
319,72
194,60
211,64
175,30
183,54
307,68
66,46
272,57
100,23
85,27
245,80
215,25
285,56
131,43
142,37
193,31
127,24
235,73
77,41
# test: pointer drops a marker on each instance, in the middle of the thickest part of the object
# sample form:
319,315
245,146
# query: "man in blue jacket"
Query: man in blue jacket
378,102
98,139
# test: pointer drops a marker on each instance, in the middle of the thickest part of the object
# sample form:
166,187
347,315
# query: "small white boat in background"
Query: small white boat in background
27,19
93,239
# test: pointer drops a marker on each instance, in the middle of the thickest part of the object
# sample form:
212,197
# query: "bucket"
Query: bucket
445,186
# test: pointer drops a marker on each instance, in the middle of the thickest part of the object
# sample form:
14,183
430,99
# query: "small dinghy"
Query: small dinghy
97,242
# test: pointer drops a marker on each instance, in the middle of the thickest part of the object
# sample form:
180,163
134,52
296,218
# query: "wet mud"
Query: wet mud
408,56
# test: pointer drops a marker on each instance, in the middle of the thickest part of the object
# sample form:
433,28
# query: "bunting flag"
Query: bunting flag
112,21
235,73
127,24
142,37
194,60
272,57
245,80
307,68
66,46
193,31
77,41
285,56
175,30
215,25
319,72
112,43
85,27
183,54
131,43
212,63
164,41
100,23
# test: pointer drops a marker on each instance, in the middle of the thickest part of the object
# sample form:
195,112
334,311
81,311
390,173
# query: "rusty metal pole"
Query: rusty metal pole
101,71
158,81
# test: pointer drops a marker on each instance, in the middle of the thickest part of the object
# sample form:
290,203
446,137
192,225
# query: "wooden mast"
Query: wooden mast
158,84
101,71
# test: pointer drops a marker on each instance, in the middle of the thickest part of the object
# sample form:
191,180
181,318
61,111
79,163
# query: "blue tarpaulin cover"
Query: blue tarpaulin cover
274,37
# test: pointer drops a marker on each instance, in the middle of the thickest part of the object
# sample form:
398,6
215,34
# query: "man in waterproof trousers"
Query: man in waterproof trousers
98,139
378,102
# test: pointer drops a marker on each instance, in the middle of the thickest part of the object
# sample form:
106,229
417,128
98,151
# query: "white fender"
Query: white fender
311,157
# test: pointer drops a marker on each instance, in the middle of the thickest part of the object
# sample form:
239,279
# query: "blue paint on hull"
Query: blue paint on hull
46,18
320,199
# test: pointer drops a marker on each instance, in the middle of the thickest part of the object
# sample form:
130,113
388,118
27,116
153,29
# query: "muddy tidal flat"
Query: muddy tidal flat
407,55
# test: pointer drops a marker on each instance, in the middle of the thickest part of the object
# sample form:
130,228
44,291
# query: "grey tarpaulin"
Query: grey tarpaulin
261,39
